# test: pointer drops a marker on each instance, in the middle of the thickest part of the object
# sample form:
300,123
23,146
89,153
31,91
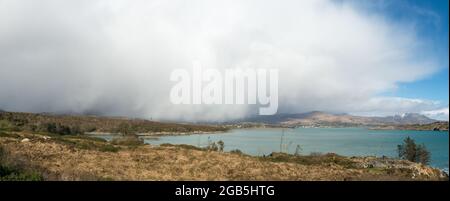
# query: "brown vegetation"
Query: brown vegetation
72,125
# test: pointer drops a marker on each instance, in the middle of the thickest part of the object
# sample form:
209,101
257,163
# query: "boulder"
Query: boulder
25,140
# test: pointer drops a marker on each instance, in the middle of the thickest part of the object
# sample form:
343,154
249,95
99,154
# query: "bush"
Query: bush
11,173
60,129
128,141
166,145
7,126
315,154
298,149
183,146
236,151
329,158
8,134
410,151
109,148
215,146
125,129
3,155
87,143
212,146
220,145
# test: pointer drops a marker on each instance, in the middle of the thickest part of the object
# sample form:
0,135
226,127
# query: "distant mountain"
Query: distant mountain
317,118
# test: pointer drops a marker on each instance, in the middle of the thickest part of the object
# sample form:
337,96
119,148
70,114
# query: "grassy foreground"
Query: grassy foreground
33,156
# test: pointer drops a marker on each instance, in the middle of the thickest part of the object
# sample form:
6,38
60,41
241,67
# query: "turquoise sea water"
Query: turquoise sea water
343,141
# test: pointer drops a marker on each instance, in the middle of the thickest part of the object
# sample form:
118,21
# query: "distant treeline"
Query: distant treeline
70,125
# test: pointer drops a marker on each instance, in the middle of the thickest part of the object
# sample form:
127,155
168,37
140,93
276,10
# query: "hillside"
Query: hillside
66,124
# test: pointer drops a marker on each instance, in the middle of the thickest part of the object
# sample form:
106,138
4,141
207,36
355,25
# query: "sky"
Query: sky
432,21
112,57
431,18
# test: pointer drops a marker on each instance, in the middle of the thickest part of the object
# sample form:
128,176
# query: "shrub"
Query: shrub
298,149
2,154
130,140
109,148
220,145
87,143
236,151
329,158
57,128
212,146
12,173
166,145
315,154
125,129
7,126
215,146
7,134
183,146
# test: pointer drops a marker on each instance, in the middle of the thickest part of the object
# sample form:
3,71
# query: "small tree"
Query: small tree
125,129
423,155
298,149
221,145
409,150
212,146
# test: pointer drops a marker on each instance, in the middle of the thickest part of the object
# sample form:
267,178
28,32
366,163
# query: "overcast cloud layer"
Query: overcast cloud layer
115,57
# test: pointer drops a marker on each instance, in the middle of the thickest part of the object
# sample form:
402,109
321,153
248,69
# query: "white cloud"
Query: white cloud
115,57
439,114
383,106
